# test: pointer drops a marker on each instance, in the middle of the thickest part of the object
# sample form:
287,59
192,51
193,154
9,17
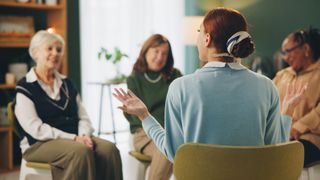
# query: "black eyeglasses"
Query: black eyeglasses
287,51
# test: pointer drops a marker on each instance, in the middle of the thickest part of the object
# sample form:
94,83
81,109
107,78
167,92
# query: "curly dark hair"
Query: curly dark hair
310,36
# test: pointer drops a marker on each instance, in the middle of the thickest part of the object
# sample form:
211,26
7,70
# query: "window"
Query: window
124,24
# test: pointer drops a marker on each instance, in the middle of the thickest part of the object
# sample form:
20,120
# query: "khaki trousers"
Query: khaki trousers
71,160
160,167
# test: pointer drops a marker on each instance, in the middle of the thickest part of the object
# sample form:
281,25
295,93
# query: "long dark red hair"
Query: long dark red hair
221,24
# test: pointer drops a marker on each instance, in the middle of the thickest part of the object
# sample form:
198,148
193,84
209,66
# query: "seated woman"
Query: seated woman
56,127
152,73
223,102
301,50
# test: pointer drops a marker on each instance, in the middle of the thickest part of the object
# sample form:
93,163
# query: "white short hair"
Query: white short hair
43,37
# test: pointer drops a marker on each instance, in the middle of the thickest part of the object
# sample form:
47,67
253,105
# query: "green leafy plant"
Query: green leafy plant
115,57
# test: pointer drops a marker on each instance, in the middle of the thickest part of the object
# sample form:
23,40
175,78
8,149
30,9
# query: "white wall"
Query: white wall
124,24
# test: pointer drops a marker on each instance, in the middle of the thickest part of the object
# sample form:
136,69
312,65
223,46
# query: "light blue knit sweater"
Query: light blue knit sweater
220,104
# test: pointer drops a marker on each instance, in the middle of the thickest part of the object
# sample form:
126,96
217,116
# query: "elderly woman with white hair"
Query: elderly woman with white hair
55,126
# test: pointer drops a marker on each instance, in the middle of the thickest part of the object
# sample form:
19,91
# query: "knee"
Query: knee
108,148
82,151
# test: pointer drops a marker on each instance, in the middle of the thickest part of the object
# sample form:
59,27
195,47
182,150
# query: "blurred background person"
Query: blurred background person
301,50
151,76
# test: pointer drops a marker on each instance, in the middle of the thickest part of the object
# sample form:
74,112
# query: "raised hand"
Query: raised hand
294,93
131,103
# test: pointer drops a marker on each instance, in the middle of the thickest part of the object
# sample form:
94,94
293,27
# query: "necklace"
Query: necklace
152,80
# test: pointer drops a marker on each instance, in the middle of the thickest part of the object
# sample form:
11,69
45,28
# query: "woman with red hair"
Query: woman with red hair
223,102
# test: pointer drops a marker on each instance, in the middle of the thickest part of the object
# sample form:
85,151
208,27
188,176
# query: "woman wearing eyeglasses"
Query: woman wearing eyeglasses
301,50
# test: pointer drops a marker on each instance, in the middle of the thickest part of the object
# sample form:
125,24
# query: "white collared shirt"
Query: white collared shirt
30,121
233,65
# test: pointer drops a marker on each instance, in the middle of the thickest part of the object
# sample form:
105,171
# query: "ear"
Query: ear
34,52
208,40
307,49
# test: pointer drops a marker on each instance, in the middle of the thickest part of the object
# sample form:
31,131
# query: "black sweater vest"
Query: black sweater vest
62,114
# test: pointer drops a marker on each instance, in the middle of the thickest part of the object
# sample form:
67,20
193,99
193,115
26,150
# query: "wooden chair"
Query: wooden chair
210,162
27,168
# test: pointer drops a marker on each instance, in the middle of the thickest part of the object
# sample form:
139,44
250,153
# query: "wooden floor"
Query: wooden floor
13,175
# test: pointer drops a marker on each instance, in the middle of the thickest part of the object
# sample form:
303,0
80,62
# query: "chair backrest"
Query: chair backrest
271,162
13,120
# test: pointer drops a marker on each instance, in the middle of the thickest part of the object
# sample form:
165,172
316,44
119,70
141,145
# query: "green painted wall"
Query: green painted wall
74,43
192,8
192,59
269,21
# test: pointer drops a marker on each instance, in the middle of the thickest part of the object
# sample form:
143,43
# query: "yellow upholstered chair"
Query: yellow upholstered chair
27,168
210,162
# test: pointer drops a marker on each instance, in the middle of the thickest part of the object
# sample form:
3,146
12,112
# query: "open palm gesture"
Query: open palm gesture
131,103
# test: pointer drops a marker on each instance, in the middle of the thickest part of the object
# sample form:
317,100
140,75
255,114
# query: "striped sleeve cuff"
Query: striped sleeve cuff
148,123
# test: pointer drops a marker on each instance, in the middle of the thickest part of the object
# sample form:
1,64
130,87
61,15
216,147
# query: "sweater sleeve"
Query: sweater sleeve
310,121
278,126
169,139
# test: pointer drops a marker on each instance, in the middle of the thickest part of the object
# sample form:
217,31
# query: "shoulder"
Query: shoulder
176,72
134,77
251,75
70,84
285,71
134,80
24,87
282,74
22,82
182,81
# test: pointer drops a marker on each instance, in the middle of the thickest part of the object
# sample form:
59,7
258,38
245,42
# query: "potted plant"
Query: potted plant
115,57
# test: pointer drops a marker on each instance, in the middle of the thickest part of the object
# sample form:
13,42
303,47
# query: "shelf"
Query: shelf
31,5
14,44
5,128
7,86
44,16
6,155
